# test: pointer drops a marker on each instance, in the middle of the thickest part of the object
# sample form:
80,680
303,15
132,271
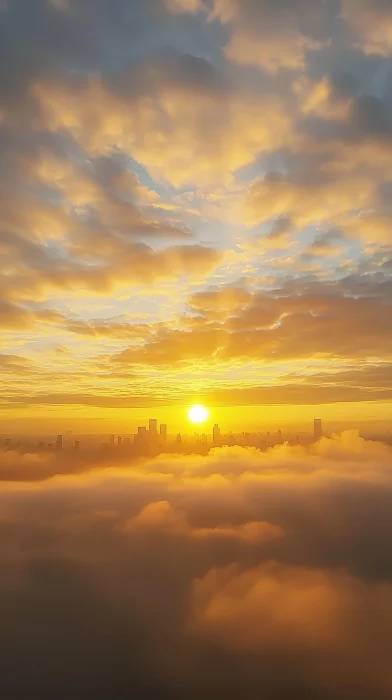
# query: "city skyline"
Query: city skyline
157,434
155,438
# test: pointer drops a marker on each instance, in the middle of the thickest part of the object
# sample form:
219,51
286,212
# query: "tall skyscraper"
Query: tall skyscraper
153,426
216,434
119,441
179,439
59,442
163,432
318,430
111,441
141,436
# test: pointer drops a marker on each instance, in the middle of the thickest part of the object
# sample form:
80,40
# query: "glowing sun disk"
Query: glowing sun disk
197,414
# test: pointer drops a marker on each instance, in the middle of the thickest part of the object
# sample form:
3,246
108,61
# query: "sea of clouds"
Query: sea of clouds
236,575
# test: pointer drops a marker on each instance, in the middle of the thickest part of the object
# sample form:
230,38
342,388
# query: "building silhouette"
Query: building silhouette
111,442
153,426
216,434
77,445
318,430
163,432
59,442
119,441
141,436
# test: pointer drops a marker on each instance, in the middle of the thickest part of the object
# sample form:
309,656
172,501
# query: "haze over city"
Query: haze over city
195,360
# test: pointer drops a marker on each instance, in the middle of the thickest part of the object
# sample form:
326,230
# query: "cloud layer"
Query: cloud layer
265,571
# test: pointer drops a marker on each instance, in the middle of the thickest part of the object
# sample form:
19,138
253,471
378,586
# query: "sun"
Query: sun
198,414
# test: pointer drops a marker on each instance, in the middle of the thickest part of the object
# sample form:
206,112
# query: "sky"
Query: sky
236,574
195,208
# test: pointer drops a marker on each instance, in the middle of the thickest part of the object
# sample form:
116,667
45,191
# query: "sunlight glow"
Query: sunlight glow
198,414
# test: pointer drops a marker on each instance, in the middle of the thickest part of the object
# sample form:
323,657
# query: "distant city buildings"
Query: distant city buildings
154,439
140,439
216,435
318,430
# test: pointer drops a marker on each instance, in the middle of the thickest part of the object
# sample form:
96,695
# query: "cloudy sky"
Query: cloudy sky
195,204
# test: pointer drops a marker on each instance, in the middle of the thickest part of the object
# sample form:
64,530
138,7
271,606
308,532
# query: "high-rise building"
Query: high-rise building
216,434
318,430
163,432
119,441
111,443
179,439
59,442
141,436
153,426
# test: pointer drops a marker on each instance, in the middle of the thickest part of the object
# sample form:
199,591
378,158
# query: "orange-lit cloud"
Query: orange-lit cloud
161,516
